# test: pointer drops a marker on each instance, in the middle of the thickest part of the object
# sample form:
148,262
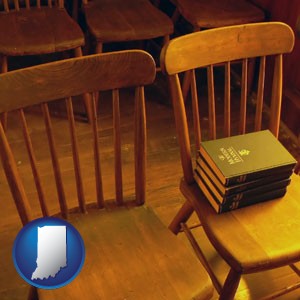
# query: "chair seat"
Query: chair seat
38,31
130,254
119,20
216,13
261,236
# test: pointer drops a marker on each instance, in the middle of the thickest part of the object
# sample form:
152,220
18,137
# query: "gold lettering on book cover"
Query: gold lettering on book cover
232,156
244,152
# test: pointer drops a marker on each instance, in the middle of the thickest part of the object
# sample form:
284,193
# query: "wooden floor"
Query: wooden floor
163,174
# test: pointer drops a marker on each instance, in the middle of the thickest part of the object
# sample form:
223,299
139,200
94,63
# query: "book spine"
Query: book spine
256,175
257,183
229,206
205,172
211,199
246,195
211,163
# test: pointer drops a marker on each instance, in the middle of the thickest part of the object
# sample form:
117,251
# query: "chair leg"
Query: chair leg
181,217
99,47
4,69
230,286
32,294
75,8
86,97
175,16
166,39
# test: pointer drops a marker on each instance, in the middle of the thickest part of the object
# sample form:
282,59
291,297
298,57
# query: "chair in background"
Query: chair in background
259,237
125,20
35,30
129,253
203,14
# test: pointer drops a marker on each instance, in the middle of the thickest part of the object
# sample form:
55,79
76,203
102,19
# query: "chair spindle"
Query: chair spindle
55,162
243,108
260,94
117,147
6,5
211,103
227,108
140,146
196,117
98,176
14,179
27,4
16,4
75,152
276,96
61,3
33,163
183,137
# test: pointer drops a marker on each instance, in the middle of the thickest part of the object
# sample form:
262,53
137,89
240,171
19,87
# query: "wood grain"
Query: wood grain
255,244
141,270
226,44
118,21
53,30
87,73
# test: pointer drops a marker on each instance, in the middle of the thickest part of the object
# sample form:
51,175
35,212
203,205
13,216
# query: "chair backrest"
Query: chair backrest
223,46
9,5
40,85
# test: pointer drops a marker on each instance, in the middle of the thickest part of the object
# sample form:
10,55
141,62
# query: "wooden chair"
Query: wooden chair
37,29
129,253
203,14
259,237
123,21
215,13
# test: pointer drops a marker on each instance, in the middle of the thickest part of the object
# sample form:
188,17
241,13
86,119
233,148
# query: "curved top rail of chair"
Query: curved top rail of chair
99,74
241,41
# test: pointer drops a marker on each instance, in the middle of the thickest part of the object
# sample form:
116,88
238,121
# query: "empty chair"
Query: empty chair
34,29
262,236
129,252
212,14
123,21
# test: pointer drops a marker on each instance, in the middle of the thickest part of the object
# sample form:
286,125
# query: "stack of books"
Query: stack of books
243,170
